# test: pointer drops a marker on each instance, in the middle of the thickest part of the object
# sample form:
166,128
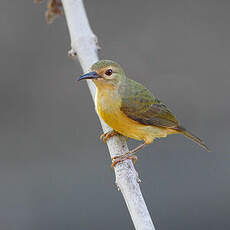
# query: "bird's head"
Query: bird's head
105,73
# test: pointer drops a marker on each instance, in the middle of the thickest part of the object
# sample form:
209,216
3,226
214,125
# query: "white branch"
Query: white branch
84,43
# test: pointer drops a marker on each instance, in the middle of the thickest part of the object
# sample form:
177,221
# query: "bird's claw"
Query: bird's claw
118,159
106,136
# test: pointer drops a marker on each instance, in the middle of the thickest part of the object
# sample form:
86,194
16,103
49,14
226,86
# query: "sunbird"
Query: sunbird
130,109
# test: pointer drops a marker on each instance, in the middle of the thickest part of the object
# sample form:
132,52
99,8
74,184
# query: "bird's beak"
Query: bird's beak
91,75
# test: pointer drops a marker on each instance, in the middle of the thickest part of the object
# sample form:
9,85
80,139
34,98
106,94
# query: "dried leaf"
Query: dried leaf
54,9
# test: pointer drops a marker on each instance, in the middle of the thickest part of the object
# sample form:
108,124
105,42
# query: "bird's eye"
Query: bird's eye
108,72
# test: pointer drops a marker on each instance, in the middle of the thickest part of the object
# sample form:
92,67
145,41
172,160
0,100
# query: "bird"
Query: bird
130,109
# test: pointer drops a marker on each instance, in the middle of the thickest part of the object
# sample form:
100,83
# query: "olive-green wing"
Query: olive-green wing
139,104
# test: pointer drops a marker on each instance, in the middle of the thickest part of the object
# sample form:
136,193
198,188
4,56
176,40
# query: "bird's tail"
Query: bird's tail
191,136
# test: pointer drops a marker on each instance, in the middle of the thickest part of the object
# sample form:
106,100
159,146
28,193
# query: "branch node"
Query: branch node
72,53
138,180
96,42
98,47
117,186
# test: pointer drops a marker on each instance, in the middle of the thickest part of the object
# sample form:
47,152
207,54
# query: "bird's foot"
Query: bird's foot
106,136
128,155
121,158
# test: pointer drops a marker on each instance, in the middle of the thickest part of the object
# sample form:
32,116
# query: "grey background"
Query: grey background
54,171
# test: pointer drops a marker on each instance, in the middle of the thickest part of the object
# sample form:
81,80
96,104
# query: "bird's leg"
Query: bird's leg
128,155
106,136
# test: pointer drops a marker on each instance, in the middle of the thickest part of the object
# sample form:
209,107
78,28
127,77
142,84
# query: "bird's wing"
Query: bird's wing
139,104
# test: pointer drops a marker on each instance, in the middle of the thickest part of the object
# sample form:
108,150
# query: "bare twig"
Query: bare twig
84,47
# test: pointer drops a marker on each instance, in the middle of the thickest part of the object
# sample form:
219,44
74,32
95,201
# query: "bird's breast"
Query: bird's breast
108,105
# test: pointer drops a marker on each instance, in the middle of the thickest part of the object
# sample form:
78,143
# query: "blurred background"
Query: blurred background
55,172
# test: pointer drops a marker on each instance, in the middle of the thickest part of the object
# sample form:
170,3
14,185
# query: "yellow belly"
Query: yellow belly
108,107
